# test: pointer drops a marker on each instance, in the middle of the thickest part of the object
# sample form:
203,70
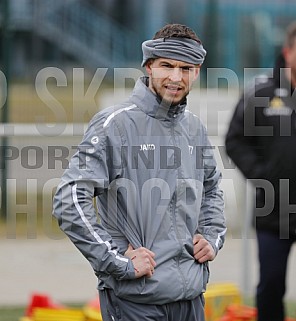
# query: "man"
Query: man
260,140
149,163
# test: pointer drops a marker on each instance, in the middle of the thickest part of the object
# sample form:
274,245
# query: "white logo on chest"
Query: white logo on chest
147,147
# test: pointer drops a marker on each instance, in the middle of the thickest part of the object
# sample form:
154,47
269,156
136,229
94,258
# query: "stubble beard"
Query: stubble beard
166,102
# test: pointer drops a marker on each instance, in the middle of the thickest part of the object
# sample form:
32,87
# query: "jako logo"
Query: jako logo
147,147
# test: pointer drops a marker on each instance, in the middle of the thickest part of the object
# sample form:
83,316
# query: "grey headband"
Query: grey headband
183,49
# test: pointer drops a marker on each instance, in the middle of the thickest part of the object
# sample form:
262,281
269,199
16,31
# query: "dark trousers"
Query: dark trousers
273,256
117,309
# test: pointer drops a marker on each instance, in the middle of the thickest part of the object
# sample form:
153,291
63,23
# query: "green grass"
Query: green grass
290,307
11,313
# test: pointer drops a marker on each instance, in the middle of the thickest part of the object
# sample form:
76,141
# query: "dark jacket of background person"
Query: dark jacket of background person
261,141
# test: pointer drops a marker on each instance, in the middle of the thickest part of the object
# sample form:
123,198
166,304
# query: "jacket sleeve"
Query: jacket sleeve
212,220
241,142
73,205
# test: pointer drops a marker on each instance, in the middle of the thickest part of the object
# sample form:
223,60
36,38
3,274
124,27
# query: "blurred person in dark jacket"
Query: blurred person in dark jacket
260,141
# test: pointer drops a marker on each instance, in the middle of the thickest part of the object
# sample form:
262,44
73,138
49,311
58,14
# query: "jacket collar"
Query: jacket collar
150,104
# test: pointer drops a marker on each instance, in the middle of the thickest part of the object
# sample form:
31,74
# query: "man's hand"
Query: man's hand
143,261
202,249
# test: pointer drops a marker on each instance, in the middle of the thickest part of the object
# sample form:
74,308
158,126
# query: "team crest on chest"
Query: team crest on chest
277,107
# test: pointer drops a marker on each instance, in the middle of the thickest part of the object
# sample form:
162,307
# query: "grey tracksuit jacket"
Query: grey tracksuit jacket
155,180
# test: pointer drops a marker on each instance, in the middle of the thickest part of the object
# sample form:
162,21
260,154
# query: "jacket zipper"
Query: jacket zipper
174,201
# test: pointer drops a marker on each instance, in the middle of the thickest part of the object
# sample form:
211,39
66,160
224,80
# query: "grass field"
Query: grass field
11,314
55,104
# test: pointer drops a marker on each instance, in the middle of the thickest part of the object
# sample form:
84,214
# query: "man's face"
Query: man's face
290,58
171,79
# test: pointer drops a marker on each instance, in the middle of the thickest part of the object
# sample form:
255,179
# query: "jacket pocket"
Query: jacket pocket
129,288
126,289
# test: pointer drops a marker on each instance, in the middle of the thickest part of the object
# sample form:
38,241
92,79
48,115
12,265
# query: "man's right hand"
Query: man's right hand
143,261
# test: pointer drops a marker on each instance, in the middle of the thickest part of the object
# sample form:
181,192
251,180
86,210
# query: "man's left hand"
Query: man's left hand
202,249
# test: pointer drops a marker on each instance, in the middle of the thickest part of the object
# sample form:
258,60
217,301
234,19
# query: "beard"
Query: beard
169,102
